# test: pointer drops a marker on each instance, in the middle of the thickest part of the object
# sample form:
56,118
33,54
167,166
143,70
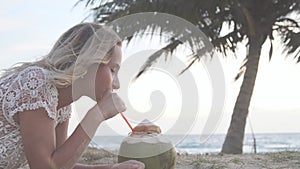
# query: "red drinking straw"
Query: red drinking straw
126,121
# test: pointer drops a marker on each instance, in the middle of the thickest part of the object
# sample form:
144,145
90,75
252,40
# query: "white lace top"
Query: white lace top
27,90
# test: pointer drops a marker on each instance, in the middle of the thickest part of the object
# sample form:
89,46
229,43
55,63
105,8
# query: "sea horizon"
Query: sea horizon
201,144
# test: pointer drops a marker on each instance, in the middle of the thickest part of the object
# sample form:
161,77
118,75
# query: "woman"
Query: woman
35,101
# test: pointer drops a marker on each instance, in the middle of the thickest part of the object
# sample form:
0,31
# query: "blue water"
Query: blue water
195,144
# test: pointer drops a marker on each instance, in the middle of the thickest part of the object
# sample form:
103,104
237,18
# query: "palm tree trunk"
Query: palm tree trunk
233,143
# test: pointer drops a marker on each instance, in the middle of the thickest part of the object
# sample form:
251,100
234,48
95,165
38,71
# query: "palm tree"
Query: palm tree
253,21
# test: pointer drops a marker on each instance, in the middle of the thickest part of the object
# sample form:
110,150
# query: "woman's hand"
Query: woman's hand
131,164
110,105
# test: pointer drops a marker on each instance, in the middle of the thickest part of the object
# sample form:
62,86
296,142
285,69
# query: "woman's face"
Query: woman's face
105,76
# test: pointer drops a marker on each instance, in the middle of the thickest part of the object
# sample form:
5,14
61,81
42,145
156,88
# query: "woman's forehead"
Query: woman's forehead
116,56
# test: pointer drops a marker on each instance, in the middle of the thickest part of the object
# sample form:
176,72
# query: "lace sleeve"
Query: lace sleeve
64,114
31,89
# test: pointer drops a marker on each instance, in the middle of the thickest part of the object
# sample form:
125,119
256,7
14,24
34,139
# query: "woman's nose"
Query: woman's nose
116,83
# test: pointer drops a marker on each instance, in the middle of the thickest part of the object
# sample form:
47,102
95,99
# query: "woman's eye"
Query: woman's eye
113,70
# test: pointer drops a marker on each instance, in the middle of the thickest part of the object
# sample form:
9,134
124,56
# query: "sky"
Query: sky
29,28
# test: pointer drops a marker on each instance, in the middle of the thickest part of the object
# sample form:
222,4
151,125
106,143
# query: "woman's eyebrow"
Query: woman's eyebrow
116,65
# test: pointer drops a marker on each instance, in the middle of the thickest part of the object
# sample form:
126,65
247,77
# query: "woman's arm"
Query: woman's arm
61,132
39,139
42,148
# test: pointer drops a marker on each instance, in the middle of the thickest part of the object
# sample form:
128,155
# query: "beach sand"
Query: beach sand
280,160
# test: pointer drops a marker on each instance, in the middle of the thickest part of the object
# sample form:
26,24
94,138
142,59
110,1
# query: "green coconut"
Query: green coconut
149,147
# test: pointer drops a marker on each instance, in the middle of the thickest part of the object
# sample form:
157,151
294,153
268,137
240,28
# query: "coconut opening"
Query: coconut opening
146,127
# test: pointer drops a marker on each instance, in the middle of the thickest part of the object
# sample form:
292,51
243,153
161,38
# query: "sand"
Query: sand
280,160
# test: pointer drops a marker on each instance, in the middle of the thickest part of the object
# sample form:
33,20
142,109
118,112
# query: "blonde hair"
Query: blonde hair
78,48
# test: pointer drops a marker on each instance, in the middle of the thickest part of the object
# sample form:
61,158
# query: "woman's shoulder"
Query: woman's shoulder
35,74
31,76
18,77
30,89
31,71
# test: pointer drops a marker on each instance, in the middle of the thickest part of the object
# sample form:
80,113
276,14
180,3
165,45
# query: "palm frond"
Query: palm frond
271,51
190,64
153,58
209,16
242,69
289,30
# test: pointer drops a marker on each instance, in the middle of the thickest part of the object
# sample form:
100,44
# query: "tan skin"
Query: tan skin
48,147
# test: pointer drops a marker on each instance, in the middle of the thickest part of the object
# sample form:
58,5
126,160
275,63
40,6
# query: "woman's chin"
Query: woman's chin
97,98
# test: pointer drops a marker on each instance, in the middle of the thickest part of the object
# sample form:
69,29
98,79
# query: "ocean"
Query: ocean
195,144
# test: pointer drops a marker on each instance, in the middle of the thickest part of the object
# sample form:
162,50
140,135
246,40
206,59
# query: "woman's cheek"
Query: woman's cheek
103,82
